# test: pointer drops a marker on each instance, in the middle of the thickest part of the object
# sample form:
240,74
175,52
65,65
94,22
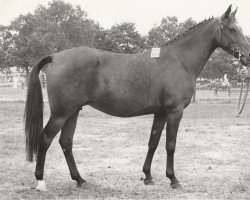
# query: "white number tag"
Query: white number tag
155,52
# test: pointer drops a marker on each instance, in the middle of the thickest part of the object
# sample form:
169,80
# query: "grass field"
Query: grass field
211,160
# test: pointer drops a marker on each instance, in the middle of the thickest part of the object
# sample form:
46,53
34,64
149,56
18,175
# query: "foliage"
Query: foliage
123,38
167,30
48,30
4,47
220,63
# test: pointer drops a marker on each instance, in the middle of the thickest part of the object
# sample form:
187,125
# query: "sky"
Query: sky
144,13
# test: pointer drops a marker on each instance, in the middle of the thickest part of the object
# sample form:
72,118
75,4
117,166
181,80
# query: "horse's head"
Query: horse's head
229,36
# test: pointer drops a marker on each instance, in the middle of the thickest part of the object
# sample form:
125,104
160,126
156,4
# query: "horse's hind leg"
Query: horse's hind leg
66,142
158,125
173,121
53,126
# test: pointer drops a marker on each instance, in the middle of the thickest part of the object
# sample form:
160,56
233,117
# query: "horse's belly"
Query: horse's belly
123,108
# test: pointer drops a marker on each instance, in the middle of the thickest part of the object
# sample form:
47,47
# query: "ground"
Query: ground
211,159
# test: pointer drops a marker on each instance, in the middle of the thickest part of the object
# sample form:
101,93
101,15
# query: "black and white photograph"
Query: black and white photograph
124,99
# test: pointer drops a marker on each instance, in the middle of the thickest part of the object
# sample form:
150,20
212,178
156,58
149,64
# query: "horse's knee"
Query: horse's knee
170,146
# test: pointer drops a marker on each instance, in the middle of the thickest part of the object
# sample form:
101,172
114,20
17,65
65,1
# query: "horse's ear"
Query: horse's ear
226,14
234,12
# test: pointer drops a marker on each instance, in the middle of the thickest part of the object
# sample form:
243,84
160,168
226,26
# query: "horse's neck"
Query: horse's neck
196,47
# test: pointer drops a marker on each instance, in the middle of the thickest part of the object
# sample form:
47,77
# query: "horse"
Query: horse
125,85
221,85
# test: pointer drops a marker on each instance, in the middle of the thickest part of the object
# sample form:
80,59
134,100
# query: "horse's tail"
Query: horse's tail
33,115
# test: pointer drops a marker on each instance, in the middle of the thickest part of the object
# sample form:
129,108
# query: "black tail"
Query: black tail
33,116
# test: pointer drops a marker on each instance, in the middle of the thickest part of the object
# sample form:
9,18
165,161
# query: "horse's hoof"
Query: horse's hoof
175,185
81,182
41,186
149,181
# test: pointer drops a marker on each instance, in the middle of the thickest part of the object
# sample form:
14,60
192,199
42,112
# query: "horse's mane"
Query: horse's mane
181,35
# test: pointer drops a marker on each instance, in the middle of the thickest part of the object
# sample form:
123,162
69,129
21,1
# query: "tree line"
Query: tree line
61,26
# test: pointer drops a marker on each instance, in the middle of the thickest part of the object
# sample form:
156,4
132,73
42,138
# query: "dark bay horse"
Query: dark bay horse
125,86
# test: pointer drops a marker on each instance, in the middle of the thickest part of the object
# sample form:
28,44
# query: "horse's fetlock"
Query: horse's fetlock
75,177
146,171
170,175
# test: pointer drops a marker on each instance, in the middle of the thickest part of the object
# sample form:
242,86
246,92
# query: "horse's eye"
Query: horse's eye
232,29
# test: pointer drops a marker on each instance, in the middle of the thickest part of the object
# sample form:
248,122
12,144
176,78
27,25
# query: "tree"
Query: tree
167,30
163,33
123,38
2,59
22,38
2,49
50,29
68,26
219,63
5,46
187,24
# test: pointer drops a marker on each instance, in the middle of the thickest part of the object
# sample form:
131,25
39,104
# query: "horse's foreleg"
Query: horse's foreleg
66,142
49,132
173,121
157,127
